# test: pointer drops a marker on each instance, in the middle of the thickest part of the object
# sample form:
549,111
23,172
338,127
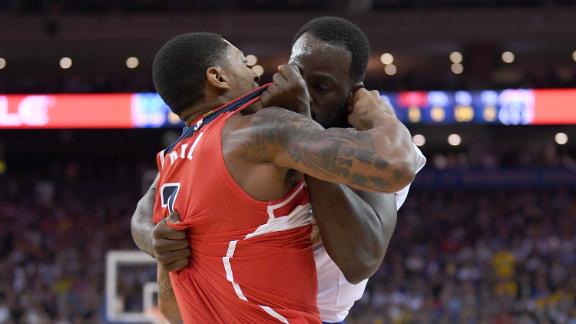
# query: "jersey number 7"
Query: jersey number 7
168,195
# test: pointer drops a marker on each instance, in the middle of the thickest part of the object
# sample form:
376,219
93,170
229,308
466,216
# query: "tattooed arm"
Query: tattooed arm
166,298
375,159
356,226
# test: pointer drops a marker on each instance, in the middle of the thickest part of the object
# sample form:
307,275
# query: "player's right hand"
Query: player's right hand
288,91
367,106
171,247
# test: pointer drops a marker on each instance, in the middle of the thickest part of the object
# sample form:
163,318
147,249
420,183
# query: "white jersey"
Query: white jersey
335,294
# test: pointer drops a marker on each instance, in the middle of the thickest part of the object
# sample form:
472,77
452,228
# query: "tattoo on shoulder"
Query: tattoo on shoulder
266,134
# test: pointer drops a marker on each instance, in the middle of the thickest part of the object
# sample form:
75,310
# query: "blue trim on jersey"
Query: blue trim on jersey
189,131
342,322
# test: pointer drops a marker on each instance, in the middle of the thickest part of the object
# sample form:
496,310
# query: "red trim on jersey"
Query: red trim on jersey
302,198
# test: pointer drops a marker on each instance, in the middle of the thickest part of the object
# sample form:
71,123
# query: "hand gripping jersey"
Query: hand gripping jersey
252,261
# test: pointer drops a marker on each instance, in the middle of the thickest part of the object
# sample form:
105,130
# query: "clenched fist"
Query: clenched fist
171,247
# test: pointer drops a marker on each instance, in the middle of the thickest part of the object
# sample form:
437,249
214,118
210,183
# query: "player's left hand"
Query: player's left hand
171,247
288,91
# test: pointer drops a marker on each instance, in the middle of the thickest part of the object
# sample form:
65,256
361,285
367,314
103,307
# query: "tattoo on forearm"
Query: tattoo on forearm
338,155
165,286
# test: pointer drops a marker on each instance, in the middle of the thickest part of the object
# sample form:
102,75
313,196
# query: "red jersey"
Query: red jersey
252,261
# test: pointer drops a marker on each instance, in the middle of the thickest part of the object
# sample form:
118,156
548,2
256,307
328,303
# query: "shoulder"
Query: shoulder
277,115
282,123
257,121
258,136
274,124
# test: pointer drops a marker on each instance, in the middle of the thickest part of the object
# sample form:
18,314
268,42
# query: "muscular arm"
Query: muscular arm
355,226
169,247
166,298
377,159
141,224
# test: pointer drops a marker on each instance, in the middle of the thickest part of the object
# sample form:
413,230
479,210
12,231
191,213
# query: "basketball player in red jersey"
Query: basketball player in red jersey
252,257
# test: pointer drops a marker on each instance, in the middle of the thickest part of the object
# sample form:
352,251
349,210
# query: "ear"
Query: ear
355,87
216,77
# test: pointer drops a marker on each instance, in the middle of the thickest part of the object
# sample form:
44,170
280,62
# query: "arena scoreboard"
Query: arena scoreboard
506,107
147,110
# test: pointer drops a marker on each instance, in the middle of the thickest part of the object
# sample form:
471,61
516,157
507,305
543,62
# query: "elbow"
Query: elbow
364,265
141,229
406,173
361,271
135,225
356,277
134,230
403,173
403,166
367,262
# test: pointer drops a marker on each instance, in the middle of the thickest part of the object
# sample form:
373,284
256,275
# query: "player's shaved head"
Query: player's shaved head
341,32
179,68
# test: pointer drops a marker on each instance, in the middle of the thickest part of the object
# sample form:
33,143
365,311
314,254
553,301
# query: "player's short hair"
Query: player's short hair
341,32
179,67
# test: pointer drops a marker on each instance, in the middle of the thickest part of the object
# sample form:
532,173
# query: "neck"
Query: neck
209,103
194,112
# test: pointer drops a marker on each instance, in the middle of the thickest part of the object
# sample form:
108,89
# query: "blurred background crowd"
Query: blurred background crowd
500,43
458,255
478,256
545,76
488,254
